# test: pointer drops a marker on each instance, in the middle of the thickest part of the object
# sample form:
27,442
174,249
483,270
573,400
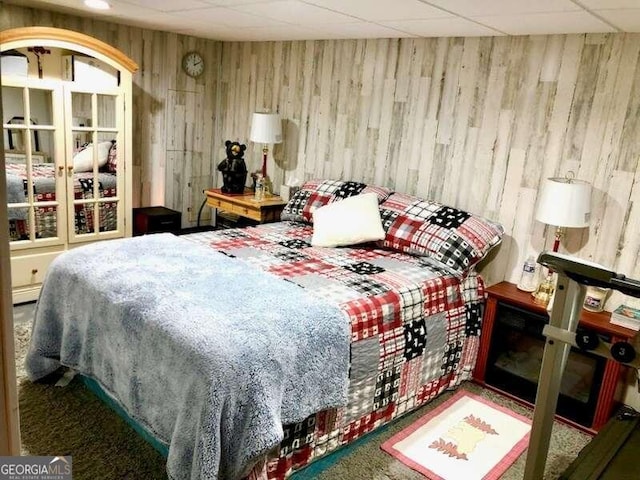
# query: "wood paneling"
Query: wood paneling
476,123
160,116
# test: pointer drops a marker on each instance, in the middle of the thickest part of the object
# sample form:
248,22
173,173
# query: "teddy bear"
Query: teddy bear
233,168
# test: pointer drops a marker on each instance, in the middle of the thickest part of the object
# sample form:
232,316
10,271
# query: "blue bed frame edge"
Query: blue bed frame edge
309,472
99,392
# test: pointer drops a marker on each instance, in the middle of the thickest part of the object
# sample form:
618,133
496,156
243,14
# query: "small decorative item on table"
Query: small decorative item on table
233,168
529,277
595,298
626,316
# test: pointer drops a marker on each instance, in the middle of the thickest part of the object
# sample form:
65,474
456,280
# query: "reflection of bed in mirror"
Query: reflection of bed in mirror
44,190
14,156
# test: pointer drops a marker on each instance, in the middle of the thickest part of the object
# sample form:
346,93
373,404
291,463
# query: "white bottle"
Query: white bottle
529,278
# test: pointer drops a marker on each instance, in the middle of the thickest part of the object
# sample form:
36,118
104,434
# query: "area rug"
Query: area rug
465,437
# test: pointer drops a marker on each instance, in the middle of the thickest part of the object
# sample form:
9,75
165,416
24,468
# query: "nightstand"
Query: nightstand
244,205
510,356
155,220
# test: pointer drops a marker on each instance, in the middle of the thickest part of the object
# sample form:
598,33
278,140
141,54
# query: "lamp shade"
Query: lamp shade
564,202
266,128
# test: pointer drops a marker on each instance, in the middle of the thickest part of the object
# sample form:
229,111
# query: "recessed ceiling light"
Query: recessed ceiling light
97,4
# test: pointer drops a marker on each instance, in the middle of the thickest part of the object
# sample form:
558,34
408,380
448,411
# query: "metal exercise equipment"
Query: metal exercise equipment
574,275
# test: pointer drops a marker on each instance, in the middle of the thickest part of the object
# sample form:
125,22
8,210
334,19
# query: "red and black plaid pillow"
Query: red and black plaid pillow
452,237
317,193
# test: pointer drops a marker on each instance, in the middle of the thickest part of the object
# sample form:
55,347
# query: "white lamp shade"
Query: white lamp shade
266,128
564,203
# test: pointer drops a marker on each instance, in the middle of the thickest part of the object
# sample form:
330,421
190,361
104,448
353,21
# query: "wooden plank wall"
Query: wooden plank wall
173,114
476,123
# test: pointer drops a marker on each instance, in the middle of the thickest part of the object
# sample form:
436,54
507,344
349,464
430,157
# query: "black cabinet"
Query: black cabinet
515,358
510,358
155,220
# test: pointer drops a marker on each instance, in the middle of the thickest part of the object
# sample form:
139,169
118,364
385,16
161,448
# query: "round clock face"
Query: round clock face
193,64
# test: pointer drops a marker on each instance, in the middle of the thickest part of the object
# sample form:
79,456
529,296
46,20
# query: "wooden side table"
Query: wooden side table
245,205
512,317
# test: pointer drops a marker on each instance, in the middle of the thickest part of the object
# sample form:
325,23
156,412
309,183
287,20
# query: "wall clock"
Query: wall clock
193,64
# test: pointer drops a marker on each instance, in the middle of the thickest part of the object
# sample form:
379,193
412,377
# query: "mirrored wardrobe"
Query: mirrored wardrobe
66,103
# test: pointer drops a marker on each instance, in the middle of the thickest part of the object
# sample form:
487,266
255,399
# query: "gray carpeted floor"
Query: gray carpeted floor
72,421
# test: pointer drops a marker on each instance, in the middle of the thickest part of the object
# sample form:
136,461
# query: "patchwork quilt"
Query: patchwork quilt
44,191
414,329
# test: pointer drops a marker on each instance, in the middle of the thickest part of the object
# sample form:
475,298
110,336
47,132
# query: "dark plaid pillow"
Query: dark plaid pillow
317,193
112,159
454,238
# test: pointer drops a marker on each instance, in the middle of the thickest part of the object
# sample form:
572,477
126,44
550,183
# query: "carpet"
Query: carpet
465,437
73,421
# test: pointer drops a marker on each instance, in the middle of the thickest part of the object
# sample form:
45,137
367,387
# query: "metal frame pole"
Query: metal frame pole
568,300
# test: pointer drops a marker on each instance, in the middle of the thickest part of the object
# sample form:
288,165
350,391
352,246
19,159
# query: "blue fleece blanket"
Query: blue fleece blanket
15,194
209,354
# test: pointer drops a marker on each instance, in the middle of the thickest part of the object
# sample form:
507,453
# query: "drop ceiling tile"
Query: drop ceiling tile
228,17
167,5
235,3
285,33
546,23
627,20
360,30
475,8
212,32
442,27
375,10
295,12
610,4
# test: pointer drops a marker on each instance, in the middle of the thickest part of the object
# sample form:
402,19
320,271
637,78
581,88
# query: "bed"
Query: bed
43,177
370,331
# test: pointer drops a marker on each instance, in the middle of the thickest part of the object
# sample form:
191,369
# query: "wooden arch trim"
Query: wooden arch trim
42,34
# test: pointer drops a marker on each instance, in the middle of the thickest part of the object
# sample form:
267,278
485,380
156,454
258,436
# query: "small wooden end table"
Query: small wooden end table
245,205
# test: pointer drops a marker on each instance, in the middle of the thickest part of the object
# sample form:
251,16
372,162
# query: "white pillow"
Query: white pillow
348,222
83,161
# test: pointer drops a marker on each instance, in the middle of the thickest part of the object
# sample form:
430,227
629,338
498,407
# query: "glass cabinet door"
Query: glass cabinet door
95,181
34,157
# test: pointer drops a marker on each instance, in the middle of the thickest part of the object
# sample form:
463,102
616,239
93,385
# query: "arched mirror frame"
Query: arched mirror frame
66,39
79,42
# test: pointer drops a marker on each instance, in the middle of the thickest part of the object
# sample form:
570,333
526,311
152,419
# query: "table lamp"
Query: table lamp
266,128
564,203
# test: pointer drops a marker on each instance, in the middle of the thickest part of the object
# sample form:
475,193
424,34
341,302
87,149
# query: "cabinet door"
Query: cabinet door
95,172
33,131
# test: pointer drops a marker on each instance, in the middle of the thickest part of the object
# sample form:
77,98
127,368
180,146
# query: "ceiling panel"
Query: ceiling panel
474,8
627,20
609,4
359,30
229,17
167,5
439,27
235,3
375,10
272,33
295,12
546,23
361,18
